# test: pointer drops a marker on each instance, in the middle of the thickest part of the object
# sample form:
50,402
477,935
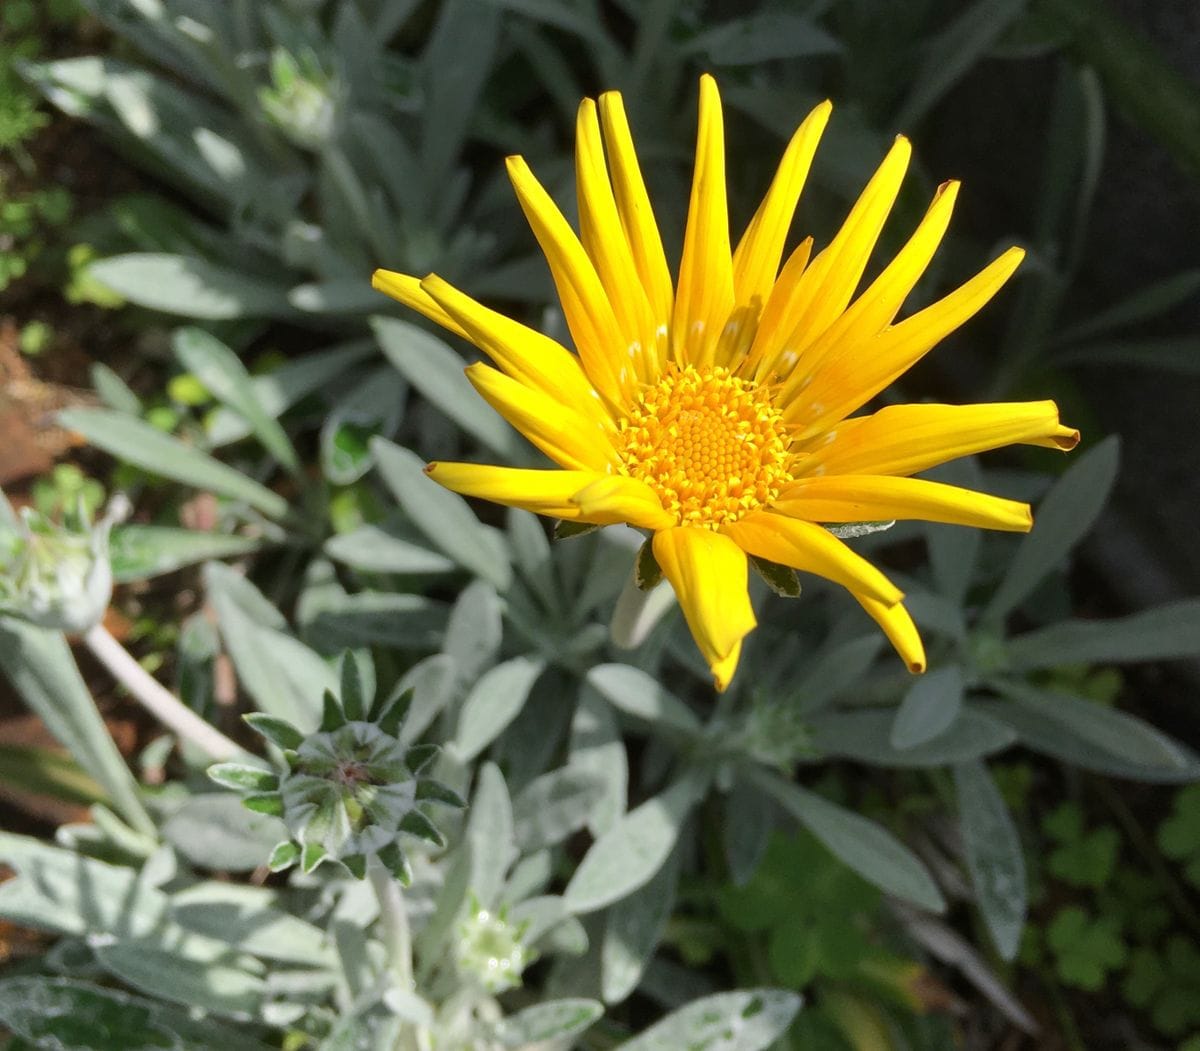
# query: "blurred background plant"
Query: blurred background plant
829,827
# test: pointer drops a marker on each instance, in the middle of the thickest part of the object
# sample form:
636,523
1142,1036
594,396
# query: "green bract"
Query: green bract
490,952
57,574
350,791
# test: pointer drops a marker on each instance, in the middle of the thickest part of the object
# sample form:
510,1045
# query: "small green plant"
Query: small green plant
1086,948
1083,858
1179,834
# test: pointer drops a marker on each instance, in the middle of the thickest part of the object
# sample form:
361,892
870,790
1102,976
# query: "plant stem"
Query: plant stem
1150,853
393,922
158,700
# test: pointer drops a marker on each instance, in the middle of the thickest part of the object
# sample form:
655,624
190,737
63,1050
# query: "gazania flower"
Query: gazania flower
716,412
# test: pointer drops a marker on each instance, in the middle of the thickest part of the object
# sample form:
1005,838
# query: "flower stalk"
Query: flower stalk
158,700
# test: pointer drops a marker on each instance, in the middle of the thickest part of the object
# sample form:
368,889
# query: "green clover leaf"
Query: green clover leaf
1085,949
1179,834
1082,859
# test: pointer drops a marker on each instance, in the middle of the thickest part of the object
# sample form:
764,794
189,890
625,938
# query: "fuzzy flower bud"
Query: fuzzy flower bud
300,100
351,790
58,575
489,951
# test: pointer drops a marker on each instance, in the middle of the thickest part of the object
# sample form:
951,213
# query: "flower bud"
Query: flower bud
490,952
351,790
58,575
300,100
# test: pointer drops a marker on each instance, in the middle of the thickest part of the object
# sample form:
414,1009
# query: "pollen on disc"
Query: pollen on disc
711,445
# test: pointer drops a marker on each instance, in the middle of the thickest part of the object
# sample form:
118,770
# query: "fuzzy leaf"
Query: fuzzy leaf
780,579
420,755
994,856
628,855
872,851
390,718
495,700
311,856
647,573
748,1020
144,446
284,856
270,803
436,792
392,858
355,692
1061,520
278,731
568,530
444,517
332,715
243,778
929,707
551,1020
417,824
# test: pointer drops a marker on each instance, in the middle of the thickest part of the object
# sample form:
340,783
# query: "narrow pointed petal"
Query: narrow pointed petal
407,290
848,378
523,353
882,498
779,313
756,260
606,245
616,498
709,574
585,305
878,305
570,439
811,549
830,280
900,630
544,492
637,217
907,439
704,299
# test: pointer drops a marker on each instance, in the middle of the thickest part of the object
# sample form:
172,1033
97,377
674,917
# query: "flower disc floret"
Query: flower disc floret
711,445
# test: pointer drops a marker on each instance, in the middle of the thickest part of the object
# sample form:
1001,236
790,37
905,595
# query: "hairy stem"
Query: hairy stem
157,699
393,923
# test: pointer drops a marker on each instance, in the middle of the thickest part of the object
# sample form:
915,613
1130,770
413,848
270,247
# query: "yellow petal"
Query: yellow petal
637,217
898,626
851,376
585,305
723,670
407,290
540,491
704,299
604,240
906,439
779,313
808,547
616,498
756,260
882,498
829,282
521,352
709,574
569,438
879,304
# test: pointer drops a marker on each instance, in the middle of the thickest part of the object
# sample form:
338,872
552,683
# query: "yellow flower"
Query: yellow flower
715,413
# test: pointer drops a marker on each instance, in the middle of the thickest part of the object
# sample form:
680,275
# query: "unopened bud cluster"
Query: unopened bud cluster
490,951
57,574
350,791
300,100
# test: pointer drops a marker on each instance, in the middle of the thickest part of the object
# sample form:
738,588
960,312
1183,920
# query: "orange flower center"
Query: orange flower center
711,445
